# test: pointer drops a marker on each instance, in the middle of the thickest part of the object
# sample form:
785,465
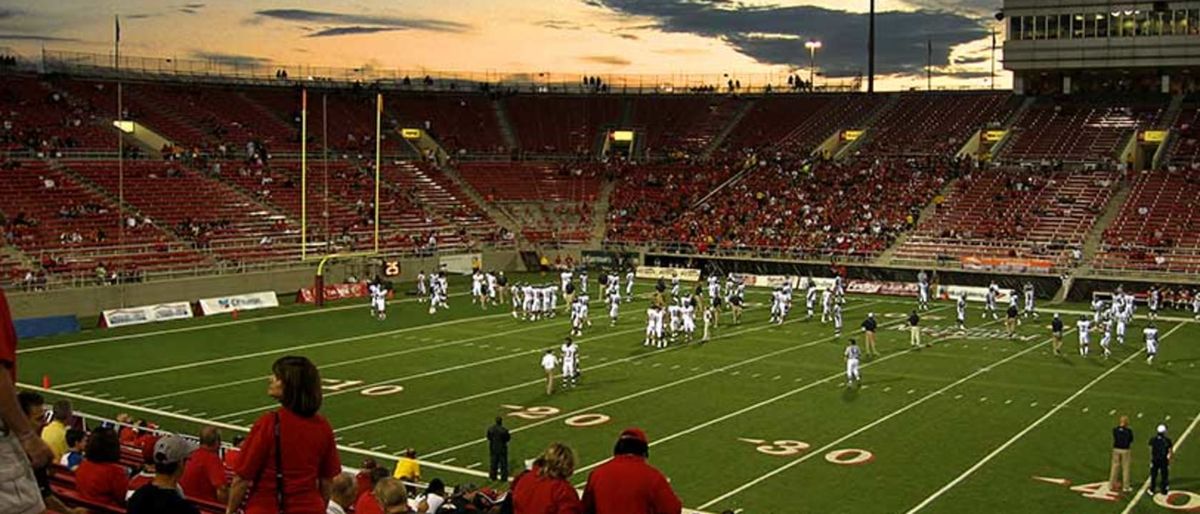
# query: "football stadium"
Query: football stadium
920,256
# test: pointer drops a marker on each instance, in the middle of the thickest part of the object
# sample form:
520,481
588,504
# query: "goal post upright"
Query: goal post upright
304,174
378,160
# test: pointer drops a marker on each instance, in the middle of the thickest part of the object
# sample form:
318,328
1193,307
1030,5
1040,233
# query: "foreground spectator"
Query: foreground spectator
162,495
392,496
627,484
290,449
545,489
435,496
342,494
76,439
367,503
146,474
19,444
55,433
204,476
101,478
34,408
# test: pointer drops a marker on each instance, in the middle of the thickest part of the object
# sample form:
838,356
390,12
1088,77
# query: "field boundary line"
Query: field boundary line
982,462
661,387
520,385
771,400
238,428
140,335
1146,485
821,451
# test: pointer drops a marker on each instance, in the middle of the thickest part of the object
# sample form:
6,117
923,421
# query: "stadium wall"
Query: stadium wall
88,302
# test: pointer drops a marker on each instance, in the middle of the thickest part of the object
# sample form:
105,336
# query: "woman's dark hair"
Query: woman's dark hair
436,486
301,385
629,446
103,446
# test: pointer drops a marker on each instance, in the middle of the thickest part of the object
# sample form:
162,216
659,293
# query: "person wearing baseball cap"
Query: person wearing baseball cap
1161,451
162,495
627,484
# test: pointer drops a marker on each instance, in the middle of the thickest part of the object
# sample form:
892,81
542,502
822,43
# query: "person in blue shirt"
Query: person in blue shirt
76,441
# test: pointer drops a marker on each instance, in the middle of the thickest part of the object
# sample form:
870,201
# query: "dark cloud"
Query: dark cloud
972,60
138,16
631,37
187,10
776,34
347,31
35,37
230,59
393,22
194,6
974,7
608,60
559,25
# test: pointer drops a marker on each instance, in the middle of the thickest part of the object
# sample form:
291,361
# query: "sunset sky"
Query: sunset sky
573,37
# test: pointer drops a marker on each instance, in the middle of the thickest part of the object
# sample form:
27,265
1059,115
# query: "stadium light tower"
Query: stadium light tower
812,47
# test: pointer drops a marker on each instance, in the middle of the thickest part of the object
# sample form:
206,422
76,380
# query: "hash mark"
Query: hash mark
474,465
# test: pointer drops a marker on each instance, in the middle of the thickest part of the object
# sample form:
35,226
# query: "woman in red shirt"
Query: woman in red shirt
289,458
99,478
545,489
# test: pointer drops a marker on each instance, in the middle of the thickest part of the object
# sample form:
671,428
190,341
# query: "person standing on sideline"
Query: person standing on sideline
1161,452
1122,439
498,438
869,326
549,362
627,484
21,450
1056,329
914,330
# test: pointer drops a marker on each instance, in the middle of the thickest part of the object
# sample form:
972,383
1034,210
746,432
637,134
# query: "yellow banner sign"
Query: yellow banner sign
851,135
993,136
410,133
1154,136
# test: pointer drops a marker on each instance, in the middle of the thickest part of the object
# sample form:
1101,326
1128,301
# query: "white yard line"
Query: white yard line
140,335
236,428
768,401
957,480
289,349
1146,485
661,387
869,426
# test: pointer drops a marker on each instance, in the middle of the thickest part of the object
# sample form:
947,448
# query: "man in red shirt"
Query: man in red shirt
204,474
19,444
627,484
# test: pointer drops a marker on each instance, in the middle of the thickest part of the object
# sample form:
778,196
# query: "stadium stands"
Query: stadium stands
462,123
936,123
36,116
1156,227
773,118
1185,148
681,125
1080,130
551,202
1012,213
562,124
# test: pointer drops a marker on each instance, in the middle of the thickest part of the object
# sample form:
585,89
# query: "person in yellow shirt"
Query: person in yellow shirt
55,433
407,468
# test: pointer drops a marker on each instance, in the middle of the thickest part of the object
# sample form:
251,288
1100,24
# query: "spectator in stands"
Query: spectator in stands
341,495
627,484
146,474
76,439
34,408
363,482
434,498
294,437
392,496
233,455
127,433
101,478
407,468
55,433
162,495
367,502
204,476
546,487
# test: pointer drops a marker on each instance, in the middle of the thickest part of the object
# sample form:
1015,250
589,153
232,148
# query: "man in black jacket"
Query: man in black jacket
869,326
1160,460
498,438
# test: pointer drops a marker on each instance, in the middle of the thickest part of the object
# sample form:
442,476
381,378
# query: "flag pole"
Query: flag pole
303,174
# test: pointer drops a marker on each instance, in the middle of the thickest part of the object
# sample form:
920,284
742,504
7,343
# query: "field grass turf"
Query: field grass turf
747,421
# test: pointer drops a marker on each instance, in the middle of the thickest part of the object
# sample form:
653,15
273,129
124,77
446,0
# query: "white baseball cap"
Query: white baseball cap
1162,429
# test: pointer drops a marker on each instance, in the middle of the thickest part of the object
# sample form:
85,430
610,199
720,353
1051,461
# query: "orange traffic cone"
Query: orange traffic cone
45,381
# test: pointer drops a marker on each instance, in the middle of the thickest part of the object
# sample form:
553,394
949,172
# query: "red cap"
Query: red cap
636,434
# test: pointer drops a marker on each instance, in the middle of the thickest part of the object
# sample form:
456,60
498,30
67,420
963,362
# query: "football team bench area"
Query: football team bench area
757,418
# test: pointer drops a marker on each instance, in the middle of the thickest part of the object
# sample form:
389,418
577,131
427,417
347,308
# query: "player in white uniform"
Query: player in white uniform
676,321
654,327
777,307
570,363
565,278
688,312
477,293
629,278
810,299
826,303
585,309
1121,321
710,316
422,290
1030,308
922,291
961,308
527,298
1106,339
577,316
1151,334
1085,327
1153,300
550,301
1097,309
714,287
993,292
517,299
852,356
675,285
837,318
378,300
490,286
614,305
583,282
1196,304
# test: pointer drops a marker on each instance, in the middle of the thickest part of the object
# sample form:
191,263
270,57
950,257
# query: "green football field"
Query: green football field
758,420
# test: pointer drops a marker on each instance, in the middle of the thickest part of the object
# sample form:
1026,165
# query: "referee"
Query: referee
1122,439
1160,460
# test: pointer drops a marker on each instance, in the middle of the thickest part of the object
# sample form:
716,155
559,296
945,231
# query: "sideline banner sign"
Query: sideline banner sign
241,302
